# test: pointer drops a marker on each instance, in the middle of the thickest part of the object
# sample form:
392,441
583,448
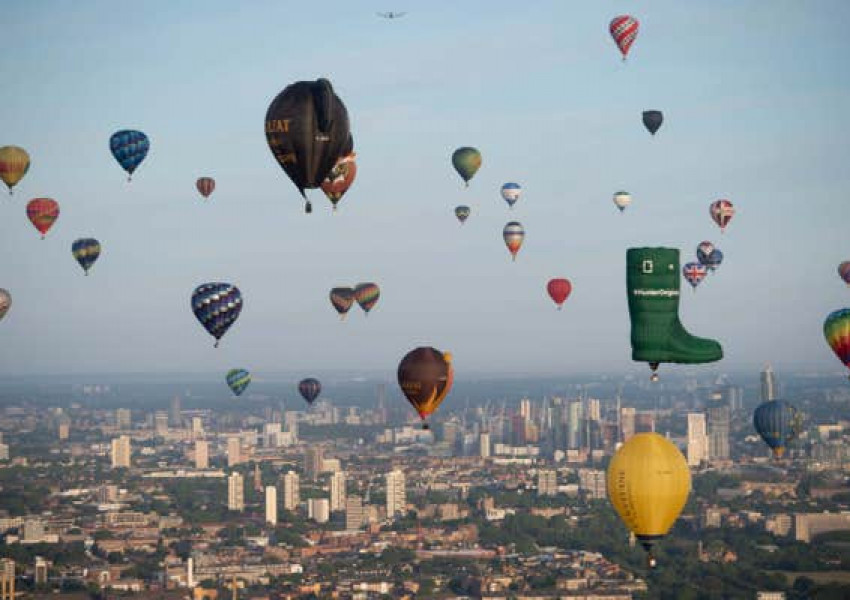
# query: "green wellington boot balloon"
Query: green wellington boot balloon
652,282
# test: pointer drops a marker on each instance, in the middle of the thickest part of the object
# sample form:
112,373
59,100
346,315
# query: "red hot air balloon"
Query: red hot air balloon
559,290
722,212
42,213
624,30
205,186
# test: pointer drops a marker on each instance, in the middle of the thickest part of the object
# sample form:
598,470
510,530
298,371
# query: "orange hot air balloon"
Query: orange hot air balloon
14,164
42,213
425,375
513,235
340,178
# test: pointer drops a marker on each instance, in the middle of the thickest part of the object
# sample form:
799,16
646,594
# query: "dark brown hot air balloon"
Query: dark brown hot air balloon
342,299
425,376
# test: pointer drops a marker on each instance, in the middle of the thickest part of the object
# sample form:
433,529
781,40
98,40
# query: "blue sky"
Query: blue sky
755,110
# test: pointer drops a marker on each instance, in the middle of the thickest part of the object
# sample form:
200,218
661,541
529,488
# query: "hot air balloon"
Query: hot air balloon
694,273
713,260
778,423
513,235
652,286
622,200
340,178
307,130
216,306
559,290
42,213
652,120
425,376
466,161
5,302
14,164
86,251
511,193
836,330
704,250
648,485
129,147
342,298
844,271
624,30
205,186
310,389
367,295
462,213
722,211
238,380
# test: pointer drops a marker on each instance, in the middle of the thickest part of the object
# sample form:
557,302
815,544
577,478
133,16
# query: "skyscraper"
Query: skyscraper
202,455
175,416
123,418
338,491
719,419
484,444
396,496
697,439
121,452
355,513
768,385
525,408
234,456
313,462
271,505
627,423
575,427
160,420
197,427
547,482
291,491
235,492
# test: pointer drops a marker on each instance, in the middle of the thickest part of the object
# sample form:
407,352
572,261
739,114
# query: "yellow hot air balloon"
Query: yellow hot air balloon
648,484
14,164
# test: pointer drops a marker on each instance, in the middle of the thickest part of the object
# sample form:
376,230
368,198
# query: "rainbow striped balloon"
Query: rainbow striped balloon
836,330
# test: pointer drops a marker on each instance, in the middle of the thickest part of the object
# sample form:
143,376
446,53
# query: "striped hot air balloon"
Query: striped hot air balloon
238,380
511,193
624,30
367,295
216,306
513,235
310,389
42,213
836,330
205,186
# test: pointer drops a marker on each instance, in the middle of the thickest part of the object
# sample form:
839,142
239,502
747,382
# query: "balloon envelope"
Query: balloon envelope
511,193
425,375
622,200
205,186
238,380
844,271
466,162
624,30
86,251
217,306
694,273
652,120
14,164
513,234
342,298
340,178
704,251
462,213
559,290
721,212
778,423
42,213
5,302
367,295
648,485
129,147
307,130
836,330
310,389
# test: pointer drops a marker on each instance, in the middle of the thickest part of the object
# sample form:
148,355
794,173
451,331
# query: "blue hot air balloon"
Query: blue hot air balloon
511,193
310,389
713,260
217,306
86,251
238,380
778,423
129,147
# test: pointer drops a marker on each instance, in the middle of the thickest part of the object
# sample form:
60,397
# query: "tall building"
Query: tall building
41,568
64,430
338,491
291,491
235,492
7,579
484,444
627,423
197,427
123,418
547,482
271,435
594,409
318,509
768,385
160,420
202,455
175,417
355,513
575,421
697,439
719,420
525,408
234,454
313,462
396,497
271,505
4,451
121,452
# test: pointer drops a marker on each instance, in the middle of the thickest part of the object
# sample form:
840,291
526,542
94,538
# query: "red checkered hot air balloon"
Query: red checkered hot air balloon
42,213
624,30
559,290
